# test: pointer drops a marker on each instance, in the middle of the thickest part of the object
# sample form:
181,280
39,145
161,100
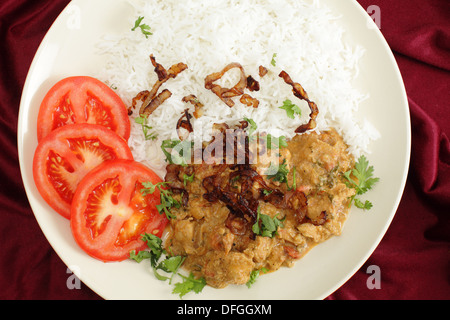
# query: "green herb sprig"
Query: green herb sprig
148,135
167,201
187,178
291,109
170,265
254,275
182,152
275,142
273,62
363,183
145,29
278,173
266,226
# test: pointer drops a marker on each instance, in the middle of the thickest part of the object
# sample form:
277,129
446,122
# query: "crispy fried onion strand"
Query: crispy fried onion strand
300,93
197,104
226,94
249,101
151,100
244,188
184,123
175,184
241,189
141,96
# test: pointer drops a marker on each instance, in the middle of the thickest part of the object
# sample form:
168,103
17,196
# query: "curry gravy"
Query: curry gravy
221,246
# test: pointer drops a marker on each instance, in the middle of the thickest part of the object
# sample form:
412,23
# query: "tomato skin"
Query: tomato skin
64,157
82,99
94,189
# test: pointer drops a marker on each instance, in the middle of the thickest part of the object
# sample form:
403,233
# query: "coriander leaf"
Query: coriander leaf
276,143
189,284
179,148
364,175
148,135
187,178
154,243
291,109
294,180
145,29
367,205
266,226
137,23
149,188
169,144
167,202
170,265
158,275
363,183
140,256
252,127
165,195
254,275
278,173
273,61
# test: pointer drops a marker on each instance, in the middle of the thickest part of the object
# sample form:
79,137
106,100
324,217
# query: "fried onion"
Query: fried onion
225,94
184,123
300,93
151,99
197,104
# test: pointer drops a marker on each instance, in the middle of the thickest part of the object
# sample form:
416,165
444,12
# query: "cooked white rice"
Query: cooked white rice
209,34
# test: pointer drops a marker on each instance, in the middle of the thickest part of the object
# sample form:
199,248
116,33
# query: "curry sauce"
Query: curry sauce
221,203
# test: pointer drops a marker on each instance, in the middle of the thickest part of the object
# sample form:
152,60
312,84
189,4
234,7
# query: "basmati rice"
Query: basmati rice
305,37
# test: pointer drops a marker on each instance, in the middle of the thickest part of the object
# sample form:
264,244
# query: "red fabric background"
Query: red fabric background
414,254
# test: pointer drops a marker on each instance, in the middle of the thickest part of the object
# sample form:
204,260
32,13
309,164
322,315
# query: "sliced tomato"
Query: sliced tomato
82,99
67,154
110,213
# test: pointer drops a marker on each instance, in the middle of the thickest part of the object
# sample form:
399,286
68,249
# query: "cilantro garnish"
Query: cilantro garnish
294,180
273,61
148,135
167,201
180,148
291,109
254,275
252,127
266,226
145,29
363,183
281,172
170,265
187,178
140,256
189,284
274,142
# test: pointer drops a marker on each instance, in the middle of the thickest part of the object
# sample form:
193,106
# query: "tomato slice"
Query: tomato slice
109,212
67,154
82,99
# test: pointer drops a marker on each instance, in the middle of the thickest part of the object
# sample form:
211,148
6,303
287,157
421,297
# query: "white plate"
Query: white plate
68,49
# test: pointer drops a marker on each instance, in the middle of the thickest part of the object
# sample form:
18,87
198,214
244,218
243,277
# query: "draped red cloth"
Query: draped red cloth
413,257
